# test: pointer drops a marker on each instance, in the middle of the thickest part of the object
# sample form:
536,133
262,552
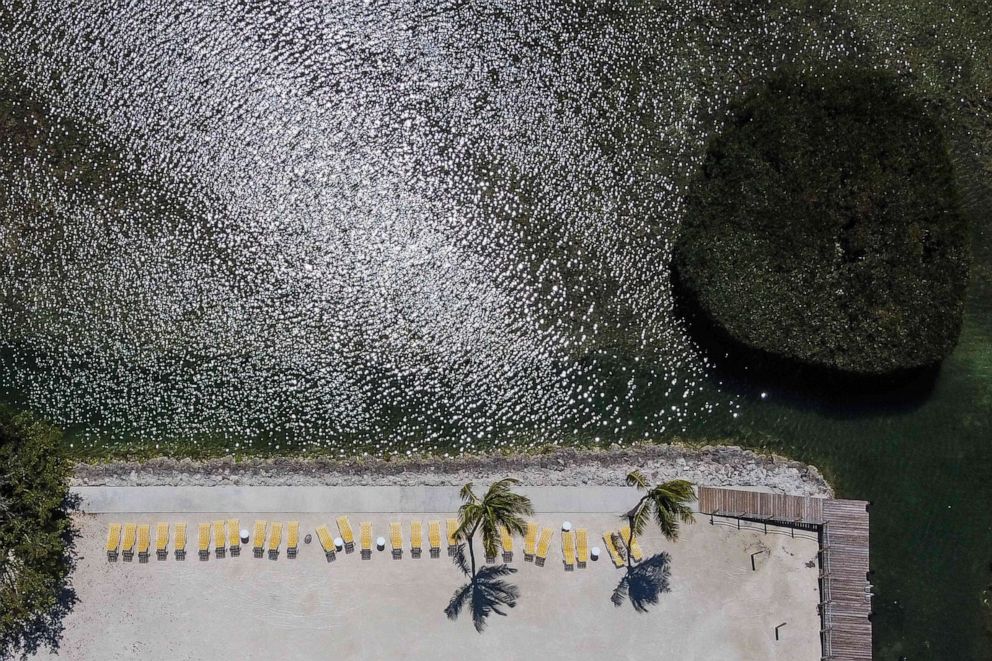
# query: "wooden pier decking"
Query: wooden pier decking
845,593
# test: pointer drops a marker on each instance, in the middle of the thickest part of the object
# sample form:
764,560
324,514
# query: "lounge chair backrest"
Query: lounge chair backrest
344,527
220,534
416,534
161,536
258,539
144,537
506,540
324,535
366,534
452,526
129,533
293,536
530,539
582,544
434,534
203,536
181,536
275,536
234,533
568,546
395,535
113,536
545,543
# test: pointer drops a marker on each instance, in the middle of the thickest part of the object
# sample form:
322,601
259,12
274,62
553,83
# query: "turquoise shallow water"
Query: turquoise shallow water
391,227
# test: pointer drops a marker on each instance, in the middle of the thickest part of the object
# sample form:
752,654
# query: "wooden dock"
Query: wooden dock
761,506
845,593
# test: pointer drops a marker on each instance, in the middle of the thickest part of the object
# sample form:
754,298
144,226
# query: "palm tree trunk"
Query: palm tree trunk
630,525
471,548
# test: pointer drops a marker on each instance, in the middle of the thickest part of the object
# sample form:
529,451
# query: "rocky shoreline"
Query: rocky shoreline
713,465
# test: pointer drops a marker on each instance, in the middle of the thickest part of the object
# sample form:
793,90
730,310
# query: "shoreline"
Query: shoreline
708,465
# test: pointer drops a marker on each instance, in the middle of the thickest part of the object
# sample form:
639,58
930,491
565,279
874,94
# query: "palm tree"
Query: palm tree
499,507
665,503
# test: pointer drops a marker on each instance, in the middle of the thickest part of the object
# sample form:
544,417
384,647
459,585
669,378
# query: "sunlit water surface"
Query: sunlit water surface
391,227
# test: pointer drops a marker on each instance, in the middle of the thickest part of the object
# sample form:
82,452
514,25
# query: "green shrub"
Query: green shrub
824,226
35,534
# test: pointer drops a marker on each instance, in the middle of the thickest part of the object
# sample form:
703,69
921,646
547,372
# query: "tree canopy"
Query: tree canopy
35,533
824,226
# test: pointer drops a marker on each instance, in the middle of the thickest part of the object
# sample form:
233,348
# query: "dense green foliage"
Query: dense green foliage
35,533
825,227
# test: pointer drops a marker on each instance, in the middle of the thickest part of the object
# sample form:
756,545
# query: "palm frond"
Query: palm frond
635,478
639,521
669,504
466,493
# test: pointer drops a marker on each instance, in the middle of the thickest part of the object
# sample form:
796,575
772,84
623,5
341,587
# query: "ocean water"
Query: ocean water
392,227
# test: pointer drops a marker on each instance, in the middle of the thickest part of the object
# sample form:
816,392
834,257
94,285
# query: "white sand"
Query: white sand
246,608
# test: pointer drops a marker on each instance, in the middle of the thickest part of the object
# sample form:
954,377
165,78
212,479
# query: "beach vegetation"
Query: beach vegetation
486,591
36,534
666,504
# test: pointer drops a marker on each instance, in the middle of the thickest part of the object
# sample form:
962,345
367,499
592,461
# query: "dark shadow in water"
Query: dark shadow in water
485,594
45,630
644,583
749,371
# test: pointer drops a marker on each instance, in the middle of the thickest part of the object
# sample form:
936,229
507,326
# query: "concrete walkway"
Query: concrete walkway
356,500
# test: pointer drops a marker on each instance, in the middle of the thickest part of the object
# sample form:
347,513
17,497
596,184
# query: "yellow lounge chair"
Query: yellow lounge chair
292,539
506,541
612,549
220,539
162,541
113,541
434,538
144,541
530,541
396,539
327,542
344,527
568,549
258,539
633,547
234,537
127,544
582,547
416,538
275,539
452,527
543,545
203,540
181,541
365,532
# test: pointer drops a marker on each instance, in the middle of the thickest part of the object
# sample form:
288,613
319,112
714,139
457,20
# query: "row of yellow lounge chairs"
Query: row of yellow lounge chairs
226,537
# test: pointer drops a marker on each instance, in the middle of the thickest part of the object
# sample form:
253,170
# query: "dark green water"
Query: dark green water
475,259
925,463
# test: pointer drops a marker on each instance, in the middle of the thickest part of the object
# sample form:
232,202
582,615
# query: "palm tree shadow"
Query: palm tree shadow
45,629
644,583
486,594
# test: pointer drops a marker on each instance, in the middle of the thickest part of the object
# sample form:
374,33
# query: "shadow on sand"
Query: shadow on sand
485,594
644,583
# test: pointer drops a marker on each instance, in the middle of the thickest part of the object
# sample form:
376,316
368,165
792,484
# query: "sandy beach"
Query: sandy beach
718,606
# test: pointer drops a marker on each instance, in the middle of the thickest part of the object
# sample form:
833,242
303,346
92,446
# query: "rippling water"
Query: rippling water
394,226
